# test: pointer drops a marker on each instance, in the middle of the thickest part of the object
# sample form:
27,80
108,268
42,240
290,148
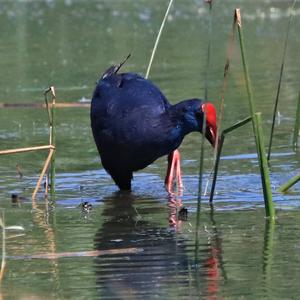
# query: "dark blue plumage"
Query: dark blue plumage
133,123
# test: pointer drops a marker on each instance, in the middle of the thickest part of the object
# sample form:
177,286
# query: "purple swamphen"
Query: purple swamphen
134,124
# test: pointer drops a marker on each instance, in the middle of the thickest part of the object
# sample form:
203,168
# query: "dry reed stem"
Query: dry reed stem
46,165
28,149
229,55
92,253
158,38
3,261
40,105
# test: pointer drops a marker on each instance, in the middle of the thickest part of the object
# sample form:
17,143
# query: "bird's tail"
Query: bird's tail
114,69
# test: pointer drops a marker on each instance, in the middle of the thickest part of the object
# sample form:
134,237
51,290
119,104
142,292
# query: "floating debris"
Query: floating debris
15,200
183,214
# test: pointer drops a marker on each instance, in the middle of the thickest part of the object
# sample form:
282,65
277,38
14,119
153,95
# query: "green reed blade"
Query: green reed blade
257,129
264,169
208,51
237,125
220,147
297,124
280,79
289,184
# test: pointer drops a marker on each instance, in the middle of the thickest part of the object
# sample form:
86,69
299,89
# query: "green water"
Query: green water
69,44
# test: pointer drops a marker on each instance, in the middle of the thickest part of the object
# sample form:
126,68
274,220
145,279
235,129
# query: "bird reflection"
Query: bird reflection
129,221
165,265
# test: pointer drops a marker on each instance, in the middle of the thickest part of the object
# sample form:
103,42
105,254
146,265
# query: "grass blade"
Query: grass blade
264,169
289,184
297,124
279,82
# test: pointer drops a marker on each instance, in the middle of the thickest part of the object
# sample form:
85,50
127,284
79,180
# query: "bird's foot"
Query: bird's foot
174,173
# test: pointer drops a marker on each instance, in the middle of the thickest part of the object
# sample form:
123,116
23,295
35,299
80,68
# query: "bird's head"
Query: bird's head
211,122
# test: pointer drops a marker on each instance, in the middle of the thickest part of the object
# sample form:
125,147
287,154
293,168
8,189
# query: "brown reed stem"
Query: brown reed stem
28,149
3,261
46,165
40,105
229,55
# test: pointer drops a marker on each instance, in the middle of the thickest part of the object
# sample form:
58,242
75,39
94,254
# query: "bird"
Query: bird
133,124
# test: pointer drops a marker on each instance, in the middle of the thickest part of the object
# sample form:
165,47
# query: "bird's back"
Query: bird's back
126,116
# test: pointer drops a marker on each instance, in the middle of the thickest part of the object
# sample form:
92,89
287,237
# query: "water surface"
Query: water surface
69,44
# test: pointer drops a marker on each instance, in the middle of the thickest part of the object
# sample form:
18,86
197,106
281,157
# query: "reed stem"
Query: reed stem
256,123
264,169
158,38
297,125
220,147
28,149
279,82
221,107
53,139
46,165
289,184
208,51
200,187
3,261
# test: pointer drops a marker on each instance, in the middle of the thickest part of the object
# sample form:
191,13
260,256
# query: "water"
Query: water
69,44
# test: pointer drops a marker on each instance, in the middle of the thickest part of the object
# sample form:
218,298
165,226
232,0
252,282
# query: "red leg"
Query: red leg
173,172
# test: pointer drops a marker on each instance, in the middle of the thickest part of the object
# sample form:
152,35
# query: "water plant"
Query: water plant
158,38
256,124
3,260
280,80
208,50
200,189
297,125
221,142
51,147
289,184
